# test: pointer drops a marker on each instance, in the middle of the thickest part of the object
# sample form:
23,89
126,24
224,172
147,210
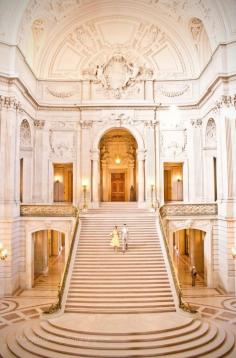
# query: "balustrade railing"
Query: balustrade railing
57,306
188,209
54,210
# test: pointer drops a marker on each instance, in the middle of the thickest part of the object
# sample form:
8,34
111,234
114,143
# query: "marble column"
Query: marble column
104,181
95,177
38,162
196,192
141,178
226,155
86,178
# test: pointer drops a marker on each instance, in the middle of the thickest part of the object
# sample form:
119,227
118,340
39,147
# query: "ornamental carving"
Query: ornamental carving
196,27
39,124
25,134
60,94
48,210
173,143
211,133
188,210
196,123
226,101
62,144
118,74
174,93
10,102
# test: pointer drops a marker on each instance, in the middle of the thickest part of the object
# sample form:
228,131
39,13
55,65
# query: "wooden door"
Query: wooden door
117,186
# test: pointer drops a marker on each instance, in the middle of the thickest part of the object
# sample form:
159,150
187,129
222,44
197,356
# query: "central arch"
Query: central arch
133,155
118,166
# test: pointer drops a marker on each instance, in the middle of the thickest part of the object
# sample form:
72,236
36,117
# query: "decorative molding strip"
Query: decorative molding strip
63,94
175,93
188,210
53,210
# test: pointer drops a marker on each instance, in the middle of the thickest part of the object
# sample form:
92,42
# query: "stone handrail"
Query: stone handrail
54,210
182,304
57,306
188,209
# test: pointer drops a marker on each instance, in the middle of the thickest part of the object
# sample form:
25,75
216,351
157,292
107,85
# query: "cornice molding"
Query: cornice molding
36,105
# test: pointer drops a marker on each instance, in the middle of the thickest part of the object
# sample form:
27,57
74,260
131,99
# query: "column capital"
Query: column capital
95,154
196,123
226,101
141,154
39,123
10,103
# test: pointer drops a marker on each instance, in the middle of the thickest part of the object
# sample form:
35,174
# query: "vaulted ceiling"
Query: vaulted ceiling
69,39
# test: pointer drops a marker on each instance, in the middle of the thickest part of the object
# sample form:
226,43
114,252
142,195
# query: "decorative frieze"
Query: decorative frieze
48,210
188,210
10,102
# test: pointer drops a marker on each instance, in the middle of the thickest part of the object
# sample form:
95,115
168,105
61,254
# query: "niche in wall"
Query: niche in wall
173,182
63,182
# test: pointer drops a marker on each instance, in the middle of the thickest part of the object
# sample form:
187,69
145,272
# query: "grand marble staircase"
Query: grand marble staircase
107,282
118,305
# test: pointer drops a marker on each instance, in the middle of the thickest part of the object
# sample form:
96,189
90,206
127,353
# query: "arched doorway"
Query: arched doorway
188,251
118,166
48,258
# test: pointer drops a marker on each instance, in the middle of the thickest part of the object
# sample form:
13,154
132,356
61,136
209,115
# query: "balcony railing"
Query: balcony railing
53,210
188,210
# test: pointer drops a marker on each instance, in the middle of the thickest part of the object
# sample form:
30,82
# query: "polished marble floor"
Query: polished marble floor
30,304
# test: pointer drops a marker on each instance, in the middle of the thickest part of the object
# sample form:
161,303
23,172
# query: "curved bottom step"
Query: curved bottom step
171,335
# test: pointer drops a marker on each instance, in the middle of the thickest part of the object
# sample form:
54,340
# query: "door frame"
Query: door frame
117,171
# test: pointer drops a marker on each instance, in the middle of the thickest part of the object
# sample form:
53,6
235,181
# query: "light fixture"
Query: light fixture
58,179
85,196
233,251
3,252
152,195
117,160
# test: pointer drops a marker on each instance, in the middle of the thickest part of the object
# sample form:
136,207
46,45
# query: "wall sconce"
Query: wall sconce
179,179
233,251
3,252
152,196
85,197
58,179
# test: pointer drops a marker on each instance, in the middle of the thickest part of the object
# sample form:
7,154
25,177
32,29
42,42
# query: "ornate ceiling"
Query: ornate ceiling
74,39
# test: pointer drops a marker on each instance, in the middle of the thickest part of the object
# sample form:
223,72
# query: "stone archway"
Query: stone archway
188,251
48,257
138,157
118,166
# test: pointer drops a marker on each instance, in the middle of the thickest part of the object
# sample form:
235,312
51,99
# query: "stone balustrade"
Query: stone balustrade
54,210
188,209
